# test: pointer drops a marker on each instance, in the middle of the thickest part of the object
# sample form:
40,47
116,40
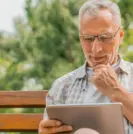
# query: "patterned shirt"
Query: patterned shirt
75,88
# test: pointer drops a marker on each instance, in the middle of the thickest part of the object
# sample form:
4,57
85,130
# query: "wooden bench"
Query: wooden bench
21,122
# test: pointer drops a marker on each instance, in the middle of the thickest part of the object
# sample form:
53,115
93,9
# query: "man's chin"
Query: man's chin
93,64
99,63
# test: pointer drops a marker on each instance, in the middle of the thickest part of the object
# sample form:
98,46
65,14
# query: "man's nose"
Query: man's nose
96,46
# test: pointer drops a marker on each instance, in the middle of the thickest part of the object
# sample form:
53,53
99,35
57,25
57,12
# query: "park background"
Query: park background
45,45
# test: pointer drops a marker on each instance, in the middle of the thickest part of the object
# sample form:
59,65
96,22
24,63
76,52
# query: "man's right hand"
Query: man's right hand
48,126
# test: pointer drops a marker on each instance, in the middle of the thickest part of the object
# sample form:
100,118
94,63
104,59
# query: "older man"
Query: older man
105,76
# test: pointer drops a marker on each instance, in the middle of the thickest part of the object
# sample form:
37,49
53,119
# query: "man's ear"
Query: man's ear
121,35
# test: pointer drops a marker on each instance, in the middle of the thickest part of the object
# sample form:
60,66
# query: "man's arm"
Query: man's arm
48,126
127,100
105,79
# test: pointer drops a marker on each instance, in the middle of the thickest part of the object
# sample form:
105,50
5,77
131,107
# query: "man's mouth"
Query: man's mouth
97,59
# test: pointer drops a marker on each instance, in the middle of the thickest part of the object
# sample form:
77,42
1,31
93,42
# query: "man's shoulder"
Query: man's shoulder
65,80
127,66
130,65
69,77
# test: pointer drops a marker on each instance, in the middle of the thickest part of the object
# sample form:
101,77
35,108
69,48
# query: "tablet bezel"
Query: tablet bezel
97,112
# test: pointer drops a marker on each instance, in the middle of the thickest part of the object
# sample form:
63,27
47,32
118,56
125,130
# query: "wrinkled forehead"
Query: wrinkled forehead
92,31
101,23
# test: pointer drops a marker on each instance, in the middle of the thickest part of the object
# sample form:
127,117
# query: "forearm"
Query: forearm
127,100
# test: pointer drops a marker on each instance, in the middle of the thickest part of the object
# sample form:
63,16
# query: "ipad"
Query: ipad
104,118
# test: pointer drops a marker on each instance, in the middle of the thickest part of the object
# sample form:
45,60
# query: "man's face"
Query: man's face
103,50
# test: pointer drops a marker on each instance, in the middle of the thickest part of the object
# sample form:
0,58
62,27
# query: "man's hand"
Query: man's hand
52,127
105,79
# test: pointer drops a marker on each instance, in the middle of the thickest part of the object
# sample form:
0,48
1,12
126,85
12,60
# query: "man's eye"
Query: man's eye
107,38
89,39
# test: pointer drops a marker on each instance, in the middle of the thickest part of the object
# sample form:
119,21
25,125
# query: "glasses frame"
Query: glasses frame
98,36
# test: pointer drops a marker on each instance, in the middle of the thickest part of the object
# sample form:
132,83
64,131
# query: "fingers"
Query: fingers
63,128
103,70
102,66
50,123
54,130
52,126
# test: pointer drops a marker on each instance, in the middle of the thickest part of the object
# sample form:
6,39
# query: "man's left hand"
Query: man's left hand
105,79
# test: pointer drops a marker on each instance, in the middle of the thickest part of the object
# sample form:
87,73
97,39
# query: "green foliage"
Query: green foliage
47,39
46,44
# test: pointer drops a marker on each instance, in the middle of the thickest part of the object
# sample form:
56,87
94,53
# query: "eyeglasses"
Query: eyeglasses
103,38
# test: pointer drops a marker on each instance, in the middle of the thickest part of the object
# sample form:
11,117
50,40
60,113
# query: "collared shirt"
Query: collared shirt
74,88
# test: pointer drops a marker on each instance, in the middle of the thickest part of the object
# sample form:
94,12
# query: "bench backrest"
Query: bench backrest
10,122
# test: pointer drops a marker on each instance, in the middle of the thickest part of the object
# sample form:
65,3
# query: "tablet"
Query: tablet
104,118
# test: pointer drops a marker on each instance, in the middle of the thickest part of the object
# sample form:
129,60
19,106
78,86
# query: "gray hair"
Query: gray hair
92,7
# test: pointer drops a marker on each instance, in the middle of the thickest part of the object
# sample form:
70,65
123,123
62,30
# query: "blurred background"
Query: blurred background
39,42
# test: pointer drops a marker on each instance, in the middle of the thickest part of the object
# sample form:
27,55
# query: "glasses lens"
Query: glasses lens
105,38
88,39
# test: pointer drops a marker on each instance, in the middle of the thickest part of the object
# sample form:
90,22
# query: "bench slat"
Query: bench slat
21,99
19,122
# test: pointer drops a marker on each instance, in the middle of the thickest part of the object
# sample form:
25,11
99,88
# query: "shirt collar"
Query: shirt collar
123,67
81,72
